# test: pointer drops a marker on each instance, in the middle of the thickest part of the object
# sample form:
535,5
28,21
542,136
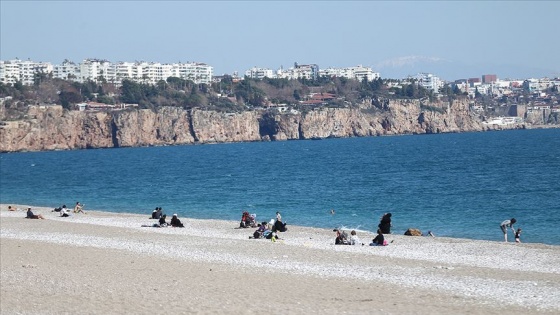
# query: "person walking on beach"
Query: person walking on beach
385,223
507,224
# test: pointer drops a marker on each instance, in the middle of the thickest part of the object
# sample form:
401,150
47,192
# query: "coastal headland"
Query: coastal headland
47,128
107,263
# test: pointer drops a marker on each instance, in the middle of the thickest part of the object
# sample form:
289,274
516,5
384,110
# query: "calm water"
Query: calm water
458,185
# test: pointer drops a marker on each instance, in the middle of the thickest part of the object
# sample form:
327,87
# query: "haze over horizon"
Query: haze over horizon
453,40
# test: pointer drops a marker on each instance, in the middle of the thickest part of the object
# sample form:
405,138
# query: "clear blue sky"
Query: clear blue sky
448,38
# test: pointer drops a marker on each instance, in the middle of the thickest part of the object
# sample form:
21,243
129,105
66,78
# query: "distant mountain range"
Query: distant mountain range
449,70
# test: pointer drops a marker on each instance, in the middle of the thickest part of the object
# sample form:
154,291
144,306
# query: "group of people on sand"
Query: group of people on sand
268,230
64,212
158,214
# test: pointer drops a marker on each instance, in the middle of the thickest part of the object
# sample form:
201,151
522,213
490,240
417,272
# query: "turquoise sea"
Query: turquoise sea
457,185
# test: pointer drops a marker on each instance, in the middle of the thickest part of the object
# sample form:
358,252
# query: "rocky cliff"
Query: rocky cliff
52,128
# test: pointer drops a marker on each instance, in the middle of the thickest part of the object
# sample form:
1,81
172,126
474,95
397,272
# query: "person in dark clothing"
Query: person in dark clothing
175,222
162,222
379,240
31,215
279,226
385,224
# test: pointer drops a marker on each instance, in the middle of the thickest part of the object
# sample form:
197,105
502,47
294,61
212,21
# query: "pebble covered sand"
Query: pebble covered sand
103,262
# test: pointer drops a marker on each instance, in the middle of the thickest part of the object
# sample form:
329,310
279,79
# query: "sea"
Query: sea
459,185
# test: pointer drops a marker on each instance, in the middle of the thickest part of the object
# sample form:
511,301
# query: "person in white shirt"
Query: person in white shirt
64,212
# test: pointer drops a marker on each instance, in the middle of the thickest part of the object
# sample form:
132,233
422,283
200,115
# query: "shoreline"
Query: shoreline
412,274
370,234
484,129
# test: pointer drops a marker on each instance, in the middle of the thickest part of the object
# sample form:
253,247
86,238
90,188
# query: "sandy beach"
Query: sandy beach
107,263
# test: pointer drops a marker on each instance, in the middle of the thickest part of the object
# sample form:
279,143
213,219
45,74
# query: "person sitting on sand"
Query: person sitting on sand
31,215
354,239
154,213
79,208
64,212
262,228
341,238
162,222
279,226
159,213
175,222
505,224
379,239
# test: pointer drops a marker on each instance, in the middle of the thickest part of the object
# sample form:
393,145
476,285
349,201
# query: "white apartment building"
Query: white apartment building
98,70
12,71
357,73
68,70
309,72
259,73
199,73
429,81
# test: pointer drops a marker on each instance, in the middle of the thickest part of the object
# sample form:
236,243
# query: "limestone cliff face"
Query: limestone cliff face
168,126
52,128
214,127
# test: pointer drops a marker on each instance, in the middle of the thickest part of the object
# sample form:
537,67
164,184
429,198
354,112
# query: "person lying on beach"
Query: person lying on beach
379,239
175,222
79,208
11,209
31,215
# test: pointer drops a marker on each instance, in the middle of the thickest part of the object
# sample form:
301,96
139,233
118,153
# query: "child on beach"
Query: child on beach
518,236
354,239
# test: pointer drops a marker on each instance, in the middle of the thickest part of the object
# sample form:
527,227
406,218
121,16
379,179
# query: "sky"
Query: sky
451,39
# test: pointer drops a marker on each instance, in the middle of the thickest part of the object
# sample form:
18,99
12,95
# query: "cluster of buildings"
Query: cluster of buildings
312,72
492,86
97,70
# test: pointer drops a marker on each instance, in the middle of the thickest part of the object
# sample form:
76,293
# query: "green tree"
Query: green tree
131,92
